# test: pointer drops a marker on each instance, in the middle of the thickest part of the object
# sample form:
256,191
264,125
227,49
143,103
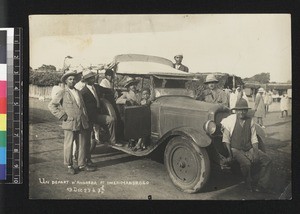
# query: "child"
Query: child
145,97
284,104
145,101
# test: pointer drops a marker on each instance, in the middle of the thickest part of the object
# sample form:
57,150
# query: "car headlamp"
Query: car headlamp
210,127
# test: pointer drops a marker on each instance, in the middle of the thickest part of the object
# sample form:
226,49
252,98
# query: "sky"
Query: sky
240,44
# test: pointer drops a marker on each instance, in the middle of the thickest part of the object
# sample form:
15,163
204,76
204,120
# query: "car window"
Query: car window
173,91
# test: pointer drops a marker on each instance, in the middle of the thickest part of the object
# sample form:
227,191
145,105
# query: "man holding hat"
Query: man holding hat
239,135
91,94
68,106
177,65
212,94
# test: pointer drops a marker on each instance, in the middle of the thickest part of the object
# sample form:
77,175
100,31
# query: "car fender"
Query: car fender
199,139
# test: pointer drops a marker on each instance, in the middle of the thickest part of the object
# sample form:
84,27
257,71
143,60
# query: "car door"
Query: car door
137,122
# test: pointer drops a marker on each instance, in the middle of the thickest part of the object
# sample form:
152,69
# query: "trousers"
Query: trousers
101,120
78,136
245,160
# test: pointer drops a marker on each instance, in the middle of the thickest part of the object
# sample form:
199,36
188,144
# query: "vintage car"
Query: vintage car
188,130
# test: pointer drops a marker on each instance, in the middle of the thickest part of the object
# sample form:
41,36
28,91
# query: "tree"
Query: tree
46,68
262,78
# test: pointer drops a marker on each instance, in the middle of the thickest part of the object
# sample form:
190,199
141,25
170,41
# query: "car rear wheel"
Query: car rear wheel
188,168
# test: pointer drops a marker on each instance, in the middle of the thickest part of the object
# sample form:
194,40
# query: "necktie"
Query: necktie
96,97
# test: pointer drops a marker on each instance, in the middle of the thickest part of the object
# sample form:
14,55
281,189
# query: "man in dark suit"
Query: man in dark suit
177,65
91,94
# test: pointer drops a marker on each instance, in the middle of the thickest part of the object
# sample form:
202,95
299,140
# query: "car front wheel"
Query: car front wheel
188,168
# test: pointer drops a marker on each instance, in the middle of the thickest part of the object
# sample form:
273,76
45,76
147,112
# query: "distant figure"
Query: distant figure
213,94
177,65
259,107
268,100
234,97
284,105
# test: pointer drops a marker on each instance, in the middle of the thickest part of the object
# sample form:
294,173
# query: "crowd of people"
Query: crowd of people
79,108
77,104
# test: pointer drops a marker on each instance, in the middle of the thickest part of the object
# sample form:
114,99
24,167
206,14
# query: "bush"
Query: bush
44,78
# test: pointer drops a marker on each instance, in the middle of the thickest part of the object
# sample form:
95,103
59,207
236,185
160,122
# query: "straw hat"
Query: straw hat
211,78
67,74
131,82
261,90
88,74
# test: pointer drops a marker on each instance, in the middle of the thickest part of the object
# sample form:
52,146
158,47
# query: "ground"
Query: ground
122,176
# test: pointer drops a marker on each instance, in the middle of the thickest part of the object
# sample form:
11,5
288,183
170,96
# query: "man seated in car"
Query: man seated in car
129,97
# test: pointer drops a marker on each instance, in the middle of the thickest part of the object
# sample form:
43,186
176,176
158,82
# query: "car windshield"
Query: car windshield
174,86
159,92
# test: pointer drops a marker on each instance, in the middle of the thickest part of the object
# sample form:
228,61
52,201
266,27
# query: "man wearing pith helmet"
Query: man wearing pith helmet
239,136
177,65
213,94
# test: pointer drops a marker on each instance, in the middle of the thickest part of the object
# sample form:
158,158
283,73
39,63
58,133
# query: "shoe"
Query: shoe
87,168
71,170
90,163
117,144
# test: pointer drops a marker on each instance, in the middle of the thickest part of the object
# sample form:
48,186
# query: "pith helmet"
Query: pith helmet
241,104
211,78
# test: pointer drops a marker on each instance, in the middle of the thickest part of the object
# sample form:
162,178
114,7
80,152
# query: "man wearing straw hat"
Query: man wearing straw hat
92,93
239,135
68,106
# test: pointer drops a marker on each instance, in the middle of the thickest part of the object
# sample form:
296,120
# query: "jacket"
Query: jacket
64,103
91,102
181,67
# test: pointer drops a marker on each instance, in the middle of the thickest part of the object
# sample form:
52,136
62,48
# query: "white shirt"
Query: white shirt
75,95
92,89
105,83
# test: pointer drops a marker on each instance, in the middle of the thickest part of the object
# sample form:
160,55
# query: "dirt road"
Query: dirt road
122,176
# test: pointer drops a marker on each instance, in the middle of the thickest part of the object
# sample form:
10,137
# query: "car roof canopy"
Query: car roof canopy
138,64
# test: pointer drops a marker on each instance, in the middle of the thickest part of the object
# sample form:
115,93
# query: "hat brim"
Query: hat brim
89,76
65,76
132,82
211,81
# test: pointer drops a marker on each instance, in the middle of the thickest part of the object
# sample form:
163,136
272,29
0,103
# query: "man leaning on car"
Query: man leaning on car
240,138
213,94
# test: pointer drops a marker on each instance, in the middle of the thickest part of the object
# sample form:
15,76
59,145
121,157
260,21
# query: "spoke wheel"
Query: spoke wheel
187,166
